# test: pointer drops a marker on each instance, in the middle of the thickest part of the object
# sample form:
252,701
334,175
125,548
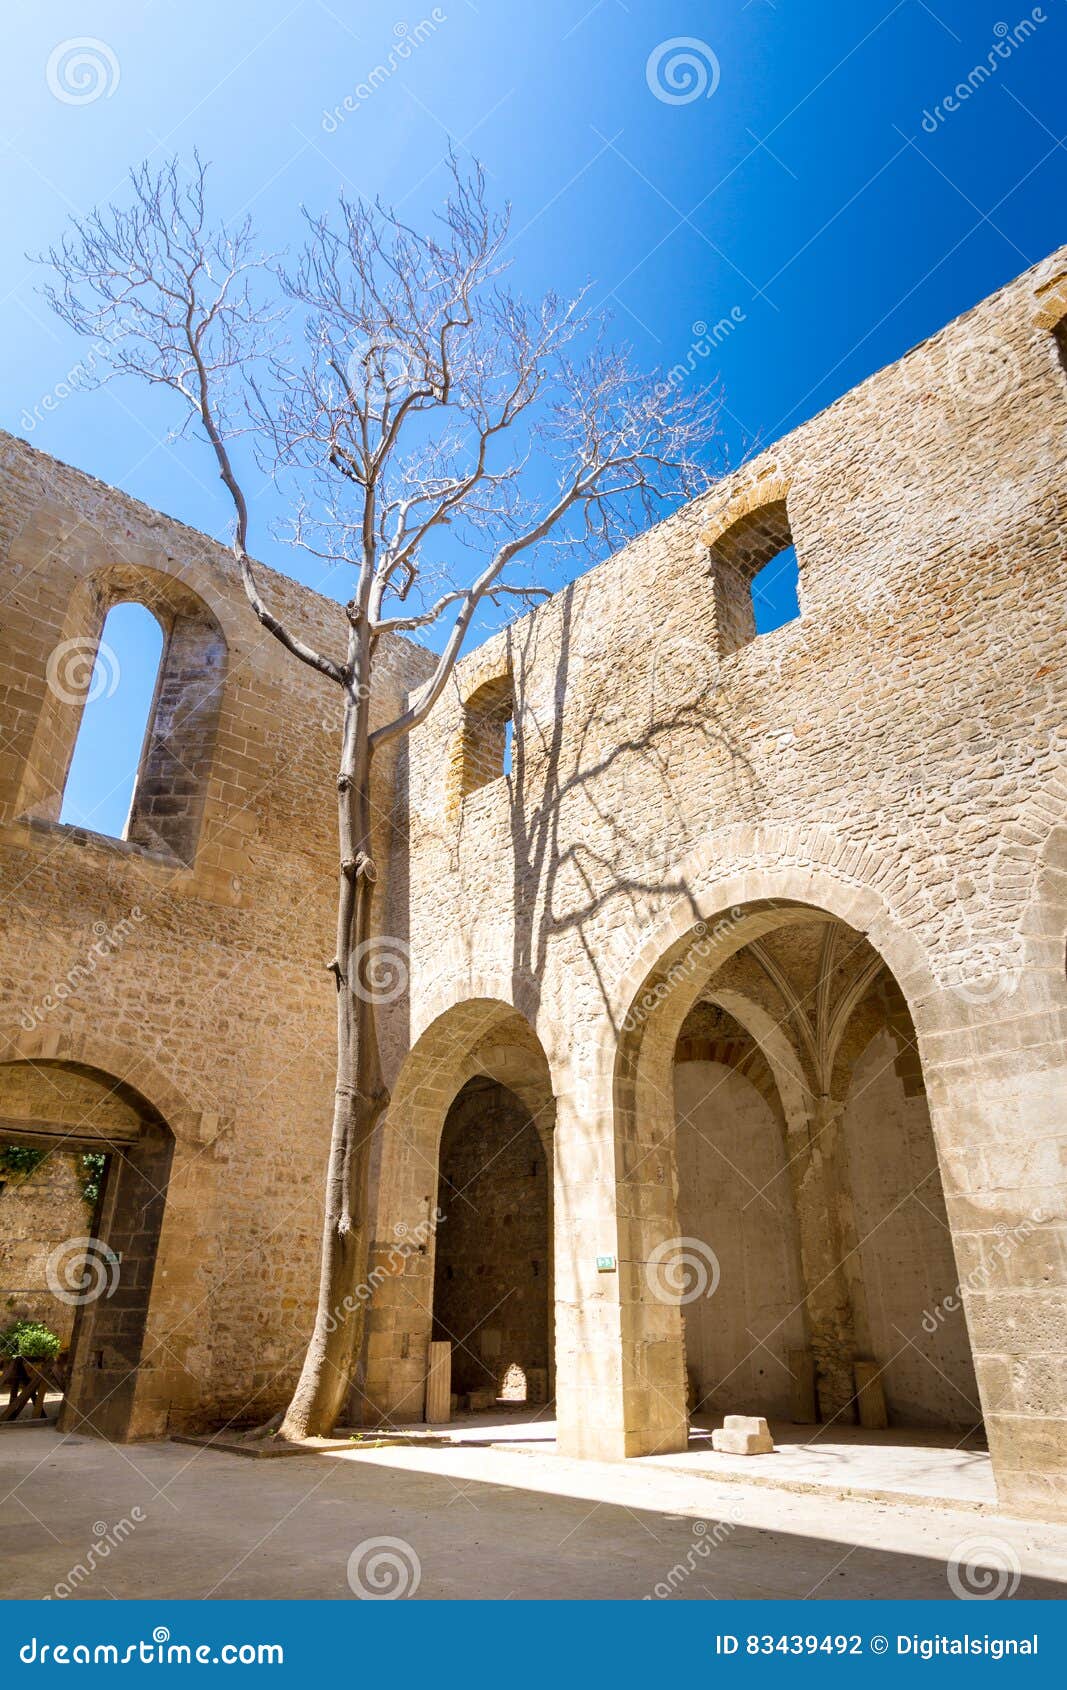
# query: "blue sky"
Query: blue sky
801,191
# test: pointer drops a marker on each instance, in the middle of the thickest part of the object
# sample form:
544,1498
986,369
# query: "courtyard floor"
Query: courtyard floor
474,1519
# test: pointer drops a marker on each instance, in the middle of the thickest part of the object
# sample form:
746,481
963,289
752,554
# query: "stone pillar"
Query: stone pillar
589,1375
996,1089
832,1281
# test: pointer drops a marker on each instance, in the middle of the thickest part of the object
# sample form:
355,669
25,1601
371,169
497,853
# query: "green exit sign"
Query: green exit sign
605,1264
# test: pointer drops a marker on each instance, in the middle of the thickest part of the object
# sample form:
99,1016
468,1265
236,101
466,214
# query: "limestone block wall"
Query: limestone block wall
187,969
905,1262
38,1211
677,789
894,756
734,1189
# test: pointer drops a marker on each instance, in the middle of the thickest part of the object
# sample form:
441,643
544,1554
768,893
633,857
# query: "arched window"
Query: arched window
756,575
128,706
112,737
482,750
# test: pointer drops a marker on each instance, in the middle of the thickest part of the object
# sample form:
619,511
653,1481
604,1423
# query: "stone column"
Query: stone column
996,1086
589,1378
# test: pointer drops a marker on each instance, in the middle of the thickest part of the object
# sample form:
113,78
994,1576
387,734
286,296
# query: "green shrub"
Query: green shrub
31,1339
91,1165
19,1160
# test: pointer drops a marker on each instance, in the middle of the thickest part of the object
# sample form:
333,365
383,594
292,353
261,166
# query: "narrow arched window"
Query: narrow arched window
112,743
755,571
484,747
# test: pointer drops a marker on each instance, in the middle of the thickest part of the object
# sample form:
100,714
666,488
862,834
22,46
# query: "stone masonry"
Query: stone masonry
834,855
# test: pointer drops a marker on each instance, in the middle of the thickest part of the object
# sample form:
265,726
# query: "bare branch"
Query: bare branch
172,302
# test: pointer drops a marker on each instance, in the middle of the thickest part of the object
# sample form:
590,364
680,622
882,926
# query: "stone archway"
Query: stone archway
777,957
478,1040
102,1273
493,1248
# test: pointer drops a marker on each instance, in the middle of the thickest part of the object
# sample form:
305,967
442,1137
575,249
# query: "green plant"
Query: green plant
91,1165
30,1339
18,1161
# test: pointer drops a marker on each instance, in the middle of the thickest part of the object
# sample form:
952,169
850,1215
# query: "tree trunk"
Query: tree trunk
359,1101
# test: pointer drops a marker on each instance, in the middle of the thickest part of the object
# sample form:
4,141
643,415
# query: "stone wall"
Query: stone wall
894,757
38,1211
678,790
187,965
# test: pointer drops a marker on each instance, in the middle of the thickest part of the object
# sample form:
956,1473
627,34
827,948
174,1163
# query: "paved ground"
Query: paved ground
477,1521
934,1465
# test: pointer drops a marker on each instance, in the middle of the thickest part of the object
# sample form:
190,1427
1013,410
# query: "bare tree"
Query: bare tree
421,411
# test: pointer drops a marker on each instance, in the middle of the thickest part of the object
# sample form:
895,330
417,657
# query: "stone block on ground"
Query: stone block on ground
743,1434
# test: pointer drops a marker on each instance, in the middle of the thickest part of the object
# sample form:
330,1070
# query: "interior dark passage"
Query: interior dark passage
81,1209
492,1266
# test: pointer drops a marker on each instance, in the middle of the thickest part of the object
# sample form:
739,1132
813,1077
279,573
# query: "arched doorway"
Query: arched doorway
493,1248
731,1141
473,1101
804,1268
91,1265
